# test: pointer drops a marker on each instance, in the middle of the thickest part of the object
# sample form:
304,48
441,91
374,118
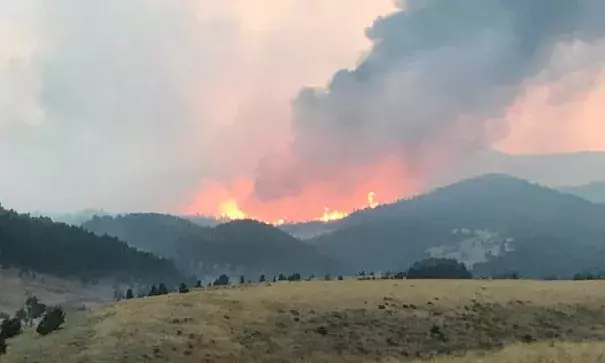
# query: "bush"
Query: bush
52,320
294,277
438,268
262,278
34,308
153,291
242,279
162,290
129,294
198,284
183,288
282,277
223,280
327,277
340,278
10,327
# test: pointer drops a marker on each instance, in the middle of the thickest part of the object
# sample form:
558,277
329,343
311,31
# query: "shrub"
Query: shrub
10,327
162,290
34,308
223,280
129,294
262,278
242,279
198,284
340,278
282,277
52,320
153,291
183,289
294,277
327,277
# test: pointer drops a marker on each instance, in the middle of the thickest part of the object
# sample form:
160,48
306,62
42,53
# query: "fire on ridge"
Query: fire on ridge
230,210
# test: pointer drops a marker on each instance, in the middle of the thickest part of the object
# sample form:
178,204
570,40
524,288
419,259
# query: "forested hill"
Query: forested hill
41,245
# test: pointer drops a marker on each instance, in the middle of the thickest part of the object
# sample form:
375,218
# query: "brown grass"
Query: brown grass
338,321
50,289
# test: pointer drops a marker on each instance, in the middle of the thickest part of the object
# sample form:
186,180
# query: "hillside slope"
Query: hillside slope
252,248
239,247
509,209
337,321
594,192
41,245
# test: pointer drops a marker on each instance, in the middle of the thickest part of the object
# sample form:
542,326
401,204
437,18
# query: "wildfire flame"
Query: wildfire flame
230,210
332,215
371,202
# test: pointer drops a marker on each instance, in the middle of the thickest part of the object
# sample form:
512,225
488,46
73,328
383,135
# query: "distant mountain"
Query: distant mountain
308,230
44,246
594,192
73,219
552,170
239,247
496,212
150,232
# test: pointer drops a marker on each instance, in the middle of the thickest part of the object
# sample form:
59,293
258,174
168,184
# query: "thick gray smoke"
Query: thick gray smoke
438,73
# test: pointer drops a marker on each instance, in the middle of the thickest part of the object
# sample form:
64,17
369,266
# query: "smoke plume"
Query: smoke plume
437,85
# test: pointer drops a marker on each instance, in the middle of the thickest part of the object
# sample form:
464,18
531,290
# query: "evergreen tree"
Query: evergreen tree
294,277
2,345
183,289
438,268
52,320
10,327
327,277
282,277
34,309
129,294
198,284
242,280
223,280
340,278
153,291
274,279
162,290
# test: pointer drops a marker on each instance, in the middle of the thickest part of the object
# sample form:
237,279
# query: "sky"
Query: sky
279,109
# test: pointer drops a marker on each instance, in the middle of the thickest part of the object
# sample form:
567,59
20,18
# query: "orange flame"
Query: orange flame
230,210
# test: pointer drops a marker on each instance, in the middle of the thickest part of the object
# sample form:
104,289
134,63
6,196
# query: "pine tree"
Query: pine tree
198,284
242,280
153,291
223,280
129,294
10,327
183,289
162,290
52,320
262,278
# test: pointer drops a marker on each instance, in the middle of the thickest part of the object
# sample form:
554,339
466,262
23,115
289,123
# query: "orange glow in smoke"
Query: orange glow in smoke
319,200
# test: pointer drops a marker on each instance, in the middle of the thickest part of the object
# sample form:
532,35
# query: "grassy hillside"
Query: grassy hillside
338,321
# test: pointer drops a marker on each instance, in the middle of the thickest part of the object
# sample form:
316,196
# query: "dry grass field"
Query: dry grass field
338,321
51,290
